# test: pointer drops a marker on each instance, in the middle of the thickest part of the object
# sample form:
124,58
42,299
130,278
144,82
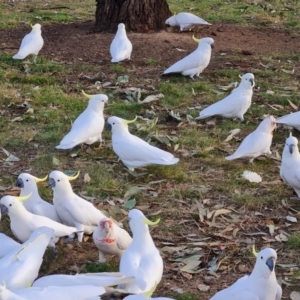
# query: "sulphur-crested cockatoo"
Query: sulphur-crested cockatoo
110,239
120,47
234,105
89,125
23,222
35,204
20,267
32,43
290,164
100,279
72,209
196,62
7,245
133,151
141,259
292,120
261,284
257,142
82,292
185,20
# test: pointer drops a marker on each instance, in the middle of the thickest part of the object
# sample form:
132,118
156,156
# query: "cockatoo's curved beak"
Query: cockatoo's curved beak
270,263
126,122
24,198
148,222
40,179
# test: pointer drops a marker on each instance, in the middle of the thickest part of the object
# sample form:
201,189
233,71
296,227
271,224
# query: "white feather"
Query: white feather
252,176
7,245
292,120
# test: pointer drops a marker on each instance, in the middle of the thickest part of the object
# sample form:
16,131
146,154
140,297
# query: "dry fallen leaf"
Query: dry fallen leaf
291,219
86,178
295,296
203,287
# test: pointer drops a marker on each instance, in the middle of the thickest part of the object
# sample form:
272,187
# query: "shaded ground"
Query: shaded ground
76,43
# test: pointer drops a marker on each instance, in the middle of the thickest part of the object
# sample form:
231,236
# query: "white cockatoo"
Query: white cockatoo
23,222
292,120
196,62
109,238
72,209
257,142
121,47
82,292
234,105
132,150
261,284
88,127
185,20
20,267
290,164
141,259
7,245
100,279
32,43
35,204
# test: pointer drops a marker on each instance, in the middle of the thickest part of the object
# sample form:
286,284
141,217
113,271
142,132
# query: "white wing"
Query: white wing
188,19
134,151
291,119
196,59
88,124
7,245
31,44
120,49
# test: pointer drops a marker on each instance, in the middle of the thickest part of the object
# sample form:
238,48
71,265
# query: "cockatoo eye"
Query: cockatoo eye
58,180
10,204
261,257
27,180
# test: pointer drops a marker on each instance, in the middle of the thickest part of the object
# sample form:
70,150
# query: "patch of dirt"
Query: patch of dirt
77,43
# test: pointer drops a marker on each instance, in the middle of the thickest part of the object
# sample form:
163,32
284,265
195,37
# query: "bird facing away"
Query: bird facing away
133,151
23,222
109,238
257,142
234,105
185,20
7,245
290,164
141,259
121,47
88,127
196,62
32,43
82,292
21,266
292,120
35,204
261,284
73,210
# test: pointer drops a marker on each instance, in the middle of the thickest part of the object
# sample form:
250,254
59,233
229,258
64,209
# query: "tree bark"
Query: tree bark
137,15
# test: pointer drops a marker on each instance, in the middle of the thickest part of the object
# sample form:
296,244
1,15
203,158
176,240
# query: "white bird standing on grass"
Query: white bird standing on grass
292,120
133,151
32,43
236,104
141,259
7,245
185,20
23,222
258,142
109,238
121,47
290,164
73,210
35,204
20,268
88,127
261,284
196,62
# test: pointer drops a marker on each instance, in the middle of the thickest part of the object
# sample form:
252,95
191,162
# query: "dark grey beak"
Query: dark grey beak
51,182
252,82
212,46
168,25
291,148
4,209
270,263
108,126
20,183
105,104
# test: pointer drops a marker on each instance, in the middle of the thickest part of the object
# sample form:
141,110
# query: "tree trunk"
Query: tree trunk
137,15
